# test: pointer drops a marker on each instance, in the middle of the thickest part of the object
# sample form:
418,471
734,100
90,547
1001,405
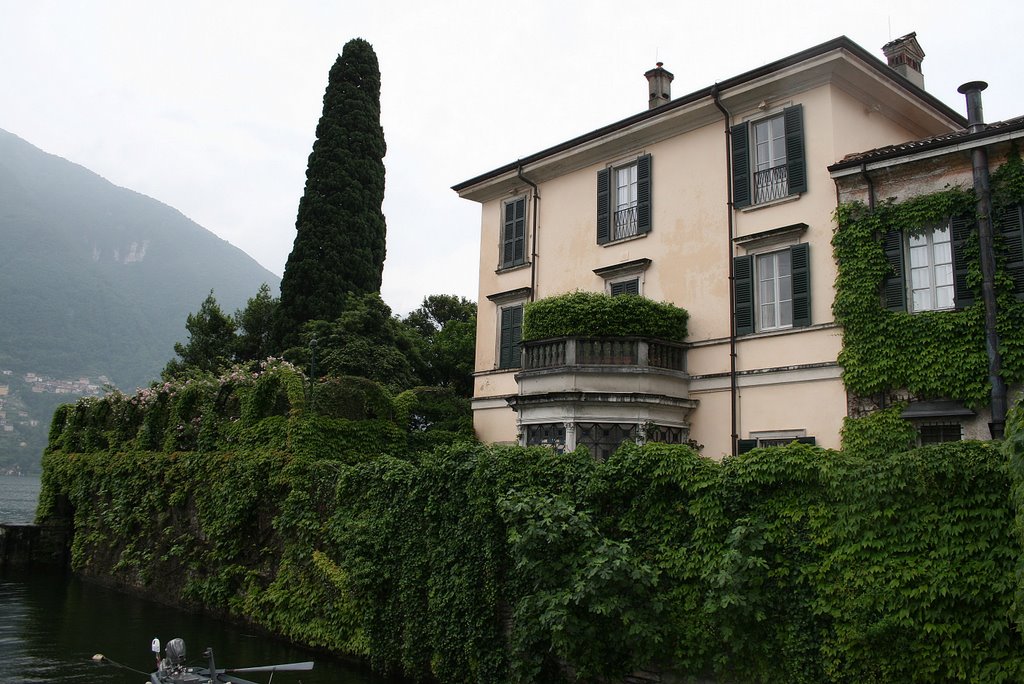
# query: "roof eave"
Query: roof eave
841,43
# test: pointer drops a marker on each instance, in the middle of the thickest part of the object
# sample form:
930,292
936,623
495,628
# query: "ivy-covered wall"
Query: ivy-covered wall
931,354
472,563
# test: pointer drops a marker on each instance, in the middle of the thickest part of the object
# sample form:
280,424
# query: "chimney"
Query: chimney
659,82
975,115
905,56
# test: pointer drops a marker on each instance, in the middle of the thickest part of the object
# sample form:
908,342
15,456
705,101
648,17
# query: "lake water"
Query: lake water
51,624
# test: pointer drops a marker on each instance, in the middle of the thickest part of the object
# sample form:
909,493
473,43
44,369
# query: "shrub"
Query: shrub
592,314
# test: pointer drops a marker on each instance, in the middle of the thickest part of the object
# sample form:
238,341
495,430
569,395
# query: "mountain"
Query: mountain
97,279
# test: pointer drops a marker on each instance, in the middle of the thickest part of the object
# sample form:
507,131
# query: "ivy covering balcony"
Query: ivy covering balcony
598,369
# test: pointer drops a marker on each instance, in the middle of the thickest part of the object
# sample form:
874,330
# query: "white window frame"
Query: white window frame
769,172
924,270
777,291
777,437
624,222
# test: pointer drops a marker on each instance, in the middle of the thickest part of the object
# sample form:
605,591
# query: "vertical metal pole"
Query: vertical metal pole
983,193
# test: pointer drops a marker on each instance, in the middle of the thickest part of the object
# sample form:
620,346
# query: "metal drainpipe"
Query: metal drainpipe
533,238
983,191
871,186
882,402
733,388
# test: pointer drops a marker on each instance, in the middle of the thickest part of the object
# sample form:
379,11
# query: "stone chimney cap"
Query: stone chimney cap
659,80
904,56
659,70
908,43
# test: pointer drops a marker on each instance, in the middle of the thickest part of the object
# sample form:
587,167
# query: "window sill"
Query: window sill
773,203
776,332
509,269
638,236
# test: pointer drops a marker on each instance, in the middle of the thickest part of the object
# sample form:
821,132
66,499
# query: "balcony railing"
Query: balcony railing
771,184
625,223
603,351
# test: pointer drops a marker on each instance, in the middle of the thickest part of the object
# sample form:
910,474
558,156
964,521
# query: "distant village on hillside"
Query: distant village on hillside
17,420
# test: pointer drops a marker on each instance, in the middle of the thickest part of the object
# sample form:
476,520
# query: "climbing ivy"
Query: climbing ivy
929,354
473,563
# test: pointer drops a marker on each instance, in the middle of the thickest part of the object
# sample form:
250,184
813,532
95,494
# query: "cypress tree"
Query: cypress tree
340,231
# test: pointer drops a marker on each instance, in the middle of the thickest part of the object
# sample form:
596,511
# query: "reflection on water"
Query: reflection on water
51,624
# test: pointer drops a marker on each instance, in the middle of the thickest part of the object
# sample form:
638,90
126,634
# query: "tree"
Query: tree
445,326
211,342
365,341
340,230
255,326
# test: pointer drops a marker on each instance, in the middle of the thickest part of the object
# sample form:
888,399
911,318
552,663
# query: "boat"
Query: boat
173,669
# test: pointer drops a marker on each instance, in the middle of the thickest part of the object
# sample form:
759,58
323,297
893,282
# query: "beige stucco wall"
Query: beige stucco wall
690,252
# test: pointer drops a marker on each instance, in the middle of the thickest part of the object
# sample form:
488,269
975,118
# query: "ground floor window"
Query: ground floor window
775,438
937,433
667,435
602,439
546,434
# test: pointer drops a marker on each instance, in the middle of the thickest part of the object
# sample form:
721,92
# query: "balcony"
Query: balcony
611,386
771,184
603,351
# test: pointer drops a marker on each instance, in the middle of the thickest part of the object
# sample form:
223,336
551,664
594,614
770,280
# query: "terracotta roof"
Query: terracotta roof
938,141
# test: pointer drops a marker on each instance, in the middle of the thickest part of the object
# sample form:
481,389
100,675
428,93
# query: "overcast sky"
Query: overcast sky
211,107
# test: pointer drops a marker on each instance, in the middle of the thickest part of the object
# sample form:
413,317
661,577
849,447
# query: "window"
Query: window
773,290
928,268
624,216
624,201
768,158
546,434
602,439
773,439
510,336
937,433
770,177
622,287
513,233
624,277
931,269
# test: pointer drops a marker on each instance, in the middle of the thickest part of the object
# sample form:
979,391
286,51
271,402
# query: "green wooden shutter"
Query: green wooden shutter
506,235
801,263
1011,228
513,234
745,445
894,285
505,344
739,134
961,229
517,335
743,282
643,194
519,248
796,167
624,287
511,335
604,199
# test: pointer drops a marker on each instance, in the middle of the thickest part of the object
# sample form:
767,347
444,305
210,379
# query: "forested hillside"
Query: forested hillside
97,279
